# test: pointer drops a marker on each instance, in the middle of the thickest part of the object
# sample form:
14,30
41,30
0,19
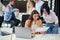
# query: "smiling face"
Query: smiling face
35,16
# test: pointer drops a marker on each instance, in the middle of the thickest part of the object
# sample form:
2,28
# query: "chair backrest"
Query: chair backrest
24,18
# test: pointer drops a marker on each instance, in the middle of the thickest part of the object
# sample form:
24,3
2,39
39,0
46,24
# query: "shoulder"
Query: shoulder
52,12
39,21
41,2
27,21
8,5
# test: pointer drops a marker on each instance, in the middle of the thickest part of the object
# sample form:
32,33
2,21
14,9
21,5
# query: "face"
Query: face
45,12
35,16
36,1
12,3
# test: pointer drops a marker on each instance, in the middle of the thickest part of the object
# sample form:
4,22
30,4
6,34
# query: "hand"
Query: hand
17,10
42,32
56,23
33,33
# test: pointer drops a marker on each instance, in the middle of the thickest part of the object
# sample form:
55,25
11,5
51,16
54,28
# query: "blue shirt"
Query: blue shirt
39,5
8,13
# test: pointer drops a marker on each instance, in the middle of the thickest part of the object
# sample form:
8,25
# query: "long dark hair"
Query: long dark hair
45,6
31,16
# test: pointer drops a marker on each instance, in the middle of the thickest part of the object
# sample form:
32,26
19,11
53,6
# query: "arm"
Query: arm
56,18
39,23
14,10
11,9
27,23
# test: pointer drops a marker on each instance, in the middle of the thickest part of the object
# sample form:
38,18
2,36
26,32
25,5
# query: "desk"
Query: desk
43,37
37,37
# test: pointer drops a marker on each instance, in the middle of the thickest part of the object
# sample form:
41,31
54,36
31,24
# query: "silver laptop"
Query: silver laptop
22,32
0,31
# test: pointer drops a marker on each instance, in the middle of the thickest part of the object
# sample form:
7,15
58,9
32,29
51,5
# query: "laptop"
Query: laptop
22,32
0,31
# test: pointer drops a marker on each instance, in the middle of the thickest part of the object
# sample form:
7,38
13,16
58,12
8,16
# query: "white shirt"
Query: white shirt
34,26
39,5
30,11
51,18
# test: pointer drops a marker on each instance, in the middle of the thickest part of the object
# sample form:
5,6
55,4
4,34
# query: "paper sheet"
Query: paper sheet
39,29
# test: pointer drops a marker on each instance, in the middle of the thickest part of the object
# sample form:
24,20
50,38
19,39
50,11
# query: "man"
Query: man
1,13
9,14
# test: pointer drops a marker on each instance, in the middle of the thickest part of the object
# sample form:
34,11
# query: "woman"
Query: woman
30,6
50,18
34,21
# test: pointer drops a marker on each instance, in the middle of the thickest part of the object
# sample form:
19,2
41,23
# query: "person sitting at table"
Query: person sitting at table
34,21
50,18
9,14
1,13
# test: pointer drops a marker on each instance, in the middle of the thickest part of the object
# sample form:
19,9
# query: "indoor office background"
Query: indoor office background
21,4
53,4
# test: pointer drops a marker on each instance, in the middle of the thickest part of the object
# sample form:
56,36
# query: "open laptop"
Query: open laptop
22,32
0,31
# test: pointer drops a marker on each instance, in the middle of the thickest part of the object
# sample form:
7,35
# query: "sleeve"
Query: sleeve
11,9
14,10
5,9
55,17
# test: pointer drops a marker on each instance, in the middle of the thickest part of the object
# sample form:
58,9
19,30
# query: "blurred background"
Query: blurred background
21,4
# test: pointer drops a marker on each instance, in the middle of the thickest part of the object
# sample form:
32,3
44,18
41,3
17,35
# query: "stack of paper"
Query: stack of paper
40,29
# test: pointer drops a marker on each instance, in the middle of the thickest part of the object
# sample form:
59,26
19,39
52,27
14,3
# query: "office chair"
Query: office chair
24,18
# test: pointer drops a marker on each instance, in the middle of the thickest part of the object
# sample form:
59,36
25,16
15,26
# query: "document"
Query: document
40,29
